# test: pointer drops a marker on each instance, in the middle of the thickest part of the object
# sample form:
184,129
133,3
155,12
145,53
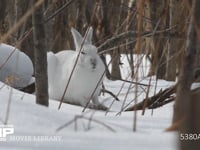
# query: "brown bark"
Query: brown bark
41,82
159,16
2,17
131,15
16,9
187,105
171,59
178,24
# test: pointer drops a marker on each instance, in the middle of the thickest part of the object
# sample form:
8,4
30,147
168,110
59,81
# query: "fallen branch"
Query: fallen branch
158,100
156,105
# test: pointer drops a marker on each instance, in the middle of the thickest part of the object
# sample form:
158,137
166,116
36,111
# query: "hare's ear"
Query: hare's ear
77,38
89,35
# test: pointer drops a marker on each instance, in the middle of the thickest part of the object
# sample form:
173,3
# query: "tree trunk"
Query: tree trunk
130,47
60,25
2,16
176,46
115,60
115,55
171,59
159,14
187,105
16,9
40,57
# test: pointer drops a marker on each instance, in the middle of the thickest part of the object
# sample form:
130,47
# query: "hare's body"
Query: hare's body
16,68
85,78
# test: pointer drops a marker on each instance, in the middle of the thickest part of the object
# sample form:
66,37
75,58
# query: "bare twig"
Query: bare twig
59,10
156,105
133,34
125,98
4,63
109,92
18,43
137,83
23,19
128,104
156,100
147,94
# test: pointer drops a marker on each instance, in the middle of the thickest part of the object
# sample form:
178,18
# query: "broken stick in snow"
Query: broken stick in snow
158,100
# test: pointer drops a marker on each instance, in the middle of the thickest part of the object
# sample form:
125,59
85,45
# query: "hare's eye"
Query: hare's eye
83,53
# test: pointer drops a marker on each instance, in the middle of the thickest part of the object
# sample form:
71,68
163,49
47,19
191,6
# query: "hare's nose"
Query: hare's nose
93,62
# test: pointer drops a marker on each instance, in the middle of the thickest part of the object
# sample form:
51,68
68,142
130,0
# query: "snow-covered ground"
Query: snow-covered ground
39,127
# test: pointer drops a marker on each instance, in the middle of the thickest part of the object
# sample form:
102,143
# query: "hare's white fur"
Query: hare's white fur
16,67
87,73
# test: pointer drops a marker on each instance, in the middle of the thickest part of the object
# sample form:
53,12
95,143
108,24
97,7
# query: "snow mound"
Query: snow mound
16,68
34,122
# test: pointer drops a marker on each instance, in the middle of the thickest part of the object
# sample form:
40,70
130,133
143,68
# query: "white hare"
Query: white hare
16,68
87,74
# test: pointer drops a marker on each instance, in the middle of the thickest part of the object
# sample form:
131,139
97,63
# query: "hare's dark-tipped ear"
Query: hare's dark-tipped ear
77,38
89,35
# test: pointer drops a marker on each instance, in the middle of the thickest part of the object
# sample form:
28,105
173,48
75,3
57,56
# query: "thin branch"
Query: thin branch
155,100
156,105
122,86
147,94
126,96
133,34
128,104
7,59
22,20
59,11
109,92
137,83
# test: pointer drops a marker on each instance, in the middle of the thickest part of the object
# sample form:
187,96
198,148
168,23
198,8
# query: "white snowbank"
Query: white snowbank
16,68
34,122
91,130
